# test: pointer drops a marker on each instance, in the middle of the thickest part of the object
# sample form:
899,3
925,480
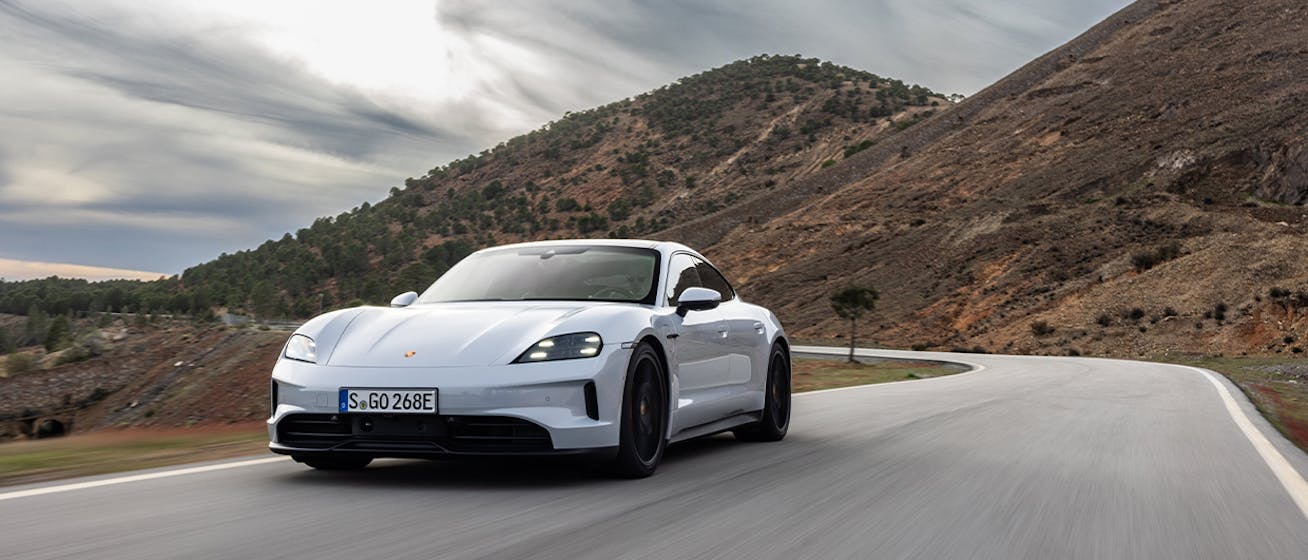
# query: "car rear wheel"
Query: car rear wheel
642,440
776,404
335,463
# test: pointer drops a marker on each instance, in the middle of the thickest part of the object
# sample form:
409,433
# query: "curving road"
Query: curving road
1024,458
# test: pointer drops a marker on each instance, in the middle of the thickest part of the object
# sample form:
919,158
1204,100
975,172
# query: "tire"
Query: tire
776,403
345,463
644,426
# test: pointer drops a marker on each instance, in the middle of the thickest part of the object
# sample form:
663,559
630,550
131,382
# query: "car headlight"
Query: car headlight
301,348
563,347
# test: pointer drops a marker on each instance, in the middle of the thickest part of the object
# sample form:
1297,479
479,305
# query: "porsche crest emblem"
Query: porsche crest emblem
410,353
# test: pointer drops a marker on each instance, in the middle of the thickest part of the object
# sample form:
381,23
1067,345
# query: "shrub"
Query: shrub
84,350
567,205
856,148
19,363
1148,260
1143,261
1041,328
97,395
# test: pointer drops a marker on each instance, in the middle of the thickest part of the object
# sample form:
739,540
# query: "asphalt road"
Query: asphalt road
1027,458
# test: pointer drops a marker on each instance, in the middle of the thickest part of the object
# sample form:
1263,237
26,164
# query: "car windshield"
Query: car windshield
590,273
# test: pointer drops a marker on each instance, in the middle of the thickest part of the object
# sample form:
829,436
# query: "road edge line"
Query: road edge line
133,478
1285,473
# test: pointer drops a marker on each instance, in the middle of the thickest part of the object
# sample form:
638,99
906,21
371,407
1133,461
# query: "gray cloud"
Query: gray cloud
137,140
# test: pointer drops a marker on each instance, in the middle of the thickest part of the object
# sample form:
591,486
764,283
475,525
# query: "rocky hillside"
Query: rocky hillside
626,169
1138,191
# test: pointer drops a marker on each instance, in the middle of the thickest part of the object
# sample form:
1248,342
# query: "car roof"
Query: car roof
661,246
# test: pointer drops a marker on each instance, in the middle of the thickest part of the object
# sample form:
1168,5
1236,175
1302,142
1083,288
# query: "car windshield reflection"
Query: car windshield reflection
567,273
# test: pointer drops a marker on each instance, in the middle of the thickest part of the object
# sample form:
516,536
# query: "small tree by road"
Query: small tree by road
851,303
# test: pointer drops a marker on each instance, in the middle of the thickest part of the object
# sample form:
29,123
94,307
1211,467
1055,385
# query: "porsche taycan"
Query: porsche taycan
611,350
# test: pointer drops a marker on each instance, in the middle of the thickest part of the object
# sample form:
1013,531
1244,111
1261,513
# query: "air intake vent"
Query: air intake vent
401,433
495,433
592,401
272,393
313,431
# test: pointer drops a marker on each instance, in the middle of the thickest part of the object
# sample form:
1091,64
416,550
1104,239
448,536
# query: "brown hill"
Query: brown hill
626,169
1135,192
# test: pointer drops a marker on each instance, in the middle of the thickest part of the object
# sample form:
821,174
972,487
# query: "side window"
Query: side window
682,273
713,280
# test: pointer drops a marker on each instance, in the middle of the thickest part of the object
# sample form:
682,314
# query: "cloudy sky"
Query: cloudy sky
142,137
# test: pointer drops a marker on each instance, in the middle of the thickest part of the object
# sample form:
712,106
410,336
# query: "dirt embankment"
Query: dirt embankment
169,376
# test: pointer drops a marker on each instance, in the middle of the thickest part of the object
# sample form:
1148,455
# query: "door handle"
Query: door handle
758,326
723,331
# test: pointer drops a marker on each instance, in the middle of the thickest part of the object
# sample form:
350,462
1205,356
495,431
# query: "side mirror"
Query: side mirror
404,300
697,299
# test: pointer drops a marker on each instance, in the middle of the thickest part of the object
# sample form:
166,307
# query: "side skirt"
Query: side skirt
718,426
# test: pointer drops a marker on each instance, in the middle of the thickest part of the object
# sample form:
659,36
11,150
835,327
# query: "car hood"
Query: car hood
446,335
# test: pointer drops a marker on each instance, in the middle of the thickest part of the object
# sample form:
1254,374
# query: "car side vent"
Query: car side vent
592,401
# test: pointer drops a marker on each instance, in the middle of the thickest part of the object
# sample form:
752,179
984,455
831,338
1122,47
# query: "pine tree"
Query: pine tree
851,303
59,334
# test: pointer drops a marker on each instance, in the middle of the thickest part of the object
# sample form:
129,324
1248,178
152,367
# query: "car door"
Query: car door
743,331
703,365
746,346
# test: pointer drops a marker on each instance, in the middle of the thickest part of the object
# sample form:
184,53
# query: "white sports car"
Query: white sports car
611,349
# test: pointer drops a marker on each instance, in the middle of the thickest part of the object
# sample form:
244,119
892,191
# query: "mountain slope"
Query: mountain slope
625,169
1137,191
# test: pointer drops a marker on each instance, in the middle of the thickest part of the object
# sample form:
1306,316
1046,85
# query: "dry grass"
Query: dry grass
1278,387
814,374
115,451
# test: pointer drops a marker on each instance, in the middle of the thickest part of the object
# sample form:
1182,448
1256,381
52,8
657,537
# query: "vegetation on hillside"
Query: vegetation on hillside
620,170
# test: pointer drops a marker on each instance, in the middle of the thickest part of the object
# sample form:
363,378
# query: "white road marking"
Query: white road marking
135,478
1290,478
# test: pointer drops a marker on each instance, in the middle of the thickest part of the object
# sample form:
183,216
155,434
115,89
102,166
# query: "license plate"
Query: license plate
394,401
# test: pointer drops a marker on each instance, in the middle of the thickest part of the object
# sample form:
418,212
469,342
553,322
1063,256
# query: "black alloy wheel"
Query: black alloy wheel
642,437
776,406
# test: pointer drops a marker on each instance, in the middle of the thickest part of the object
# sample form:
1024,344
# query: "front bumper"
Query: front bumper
416,435
515,409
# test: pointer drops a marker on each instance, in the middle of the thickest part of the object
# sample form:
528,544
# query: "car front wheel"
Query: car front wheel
644,416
